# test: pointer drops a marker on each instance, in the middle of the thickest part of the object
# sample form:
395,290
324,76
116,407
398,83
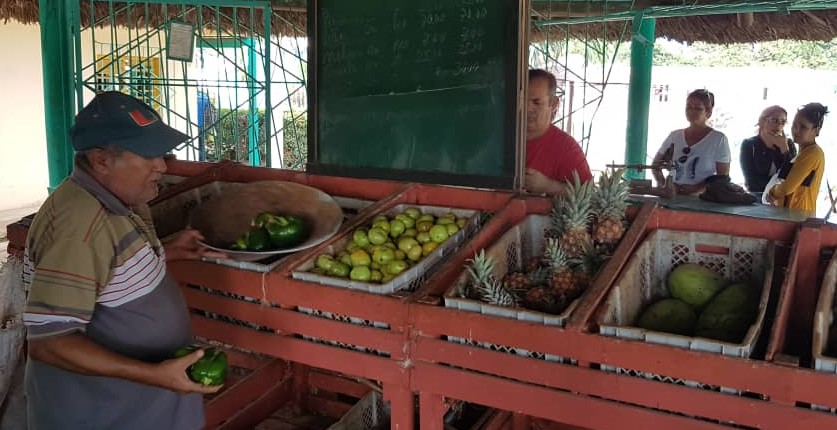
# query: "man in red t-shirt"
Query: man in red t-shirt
551,154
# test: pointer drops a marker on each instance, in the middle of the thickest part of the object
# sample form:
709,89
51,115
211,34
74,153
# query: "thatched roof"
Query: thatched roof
712,28
289,19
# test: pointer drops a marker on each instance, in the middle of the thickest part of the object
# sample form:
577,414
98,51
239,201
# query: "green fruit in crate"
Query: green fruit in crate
694,284
383,255
452,229
361,273
360,237
339,270
729,315
352,247
415,253
325,261
395,267
428,247
407,243
318,271
377,236
406,220
389,245
461,222
382,225
376,276
345,258
443,220
669,316
379,217
438,233
400,255
427,217
396,228
360,258
410,232
413,212
424,226
423,237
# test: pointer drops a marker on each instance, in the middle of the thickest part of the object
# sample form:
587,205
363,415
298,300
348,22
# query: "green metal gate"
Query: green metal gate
241,95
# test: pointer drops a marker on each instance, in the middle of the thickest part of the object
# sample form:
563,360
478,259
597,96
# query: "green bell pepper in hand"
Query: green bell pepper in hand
286,231
211,369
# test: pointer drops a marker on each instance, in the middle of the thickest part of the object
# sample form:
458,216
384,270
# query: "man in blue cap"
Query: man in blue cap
104,317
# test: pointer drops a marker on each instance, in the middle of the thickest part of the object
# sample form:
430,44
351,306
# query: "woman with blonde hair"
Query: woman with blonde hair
765,153
801,179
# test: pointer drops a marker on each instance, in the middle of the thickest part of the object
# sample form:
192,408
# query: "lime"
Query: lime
339,270
361,273
396,228
414,254
383,256
377,236
439,233
360,258
360,237
413,212
325,261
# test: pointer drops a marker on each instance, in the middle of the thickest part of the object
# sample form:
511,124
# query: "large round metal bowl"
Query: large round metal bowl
227,215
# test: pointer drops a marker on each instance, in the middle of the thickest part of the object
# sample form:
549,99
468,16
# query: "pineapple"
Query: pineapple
587,267
542,298
517,282
485,285
574,216
561,278
609,203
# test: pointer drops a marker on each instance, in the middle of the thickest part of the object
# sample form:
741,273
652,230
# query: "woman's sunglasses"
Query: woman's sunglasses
685,155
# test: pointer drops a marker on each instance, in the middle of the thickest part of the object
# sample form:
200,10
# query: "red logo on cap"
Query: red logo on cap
141,119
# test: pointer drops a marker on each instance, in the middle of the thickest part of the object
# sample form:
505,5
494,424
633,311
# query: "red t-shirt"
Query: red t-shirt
556,154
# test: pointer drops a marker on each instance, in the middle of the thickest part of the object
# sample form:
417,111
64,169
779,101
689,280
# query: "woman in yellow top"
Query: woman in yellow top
803,177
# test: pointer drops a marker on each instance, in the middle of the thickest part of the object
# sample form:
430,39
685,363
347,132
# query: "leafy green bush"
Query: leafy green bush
295,139
231,137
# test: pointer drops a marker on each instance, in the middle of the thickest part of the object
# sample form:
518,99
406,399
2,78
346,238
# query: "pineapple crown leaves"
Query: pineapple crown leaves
554,255
611,195
485,284
494,293
575,207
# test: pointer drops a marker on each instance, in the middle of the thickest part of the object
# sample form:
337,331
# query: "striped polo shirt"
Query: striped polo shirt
95,266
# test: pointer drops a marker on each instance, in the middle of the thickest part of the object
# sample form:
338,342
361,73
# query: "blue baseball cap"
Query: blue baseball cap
116,118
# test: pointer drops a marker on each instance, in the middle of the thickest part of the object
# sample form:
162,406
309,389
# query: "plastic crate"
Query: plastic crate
172,215
370,413
823,320
510,252
643,280
410,278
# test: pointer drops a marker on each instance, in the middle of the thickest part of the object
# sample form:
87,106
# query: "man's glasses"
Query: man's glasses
685,156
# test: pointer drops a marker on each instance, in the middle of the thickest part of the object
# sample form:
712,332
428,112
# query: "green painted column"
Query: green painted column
639,92
57,65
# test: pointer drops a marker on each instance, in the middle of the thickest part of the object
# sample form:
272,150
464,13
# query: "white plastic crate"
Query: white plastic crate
643,281
370,413
510,253
823,320
409,279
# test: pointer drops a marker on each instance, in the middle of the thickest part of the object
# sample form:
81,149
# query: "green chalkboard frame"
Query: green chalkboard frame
501,178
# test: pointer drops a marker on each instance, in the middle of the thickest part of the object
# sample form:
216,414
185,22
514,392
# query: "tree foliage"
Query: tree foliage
780,53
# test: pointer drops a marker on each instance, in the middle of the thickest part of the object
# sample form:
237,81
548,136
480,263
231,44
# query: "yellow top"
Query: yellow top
792,193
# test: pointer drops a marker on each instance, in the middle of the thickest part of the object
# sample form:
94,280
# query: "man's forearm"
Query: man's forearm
77,353
556,188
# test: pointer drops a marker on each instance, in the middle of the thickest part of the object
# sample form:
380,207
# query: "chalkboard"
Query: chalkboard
420,90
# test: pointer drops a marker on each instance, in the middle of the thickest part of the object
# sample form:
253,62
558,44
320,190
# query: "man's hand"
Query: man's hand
689,188
537,183
185,245
173,375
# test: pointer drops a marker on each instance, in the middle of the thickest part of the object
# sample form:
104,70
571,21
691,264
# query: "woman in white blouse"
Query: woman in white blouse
695,152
